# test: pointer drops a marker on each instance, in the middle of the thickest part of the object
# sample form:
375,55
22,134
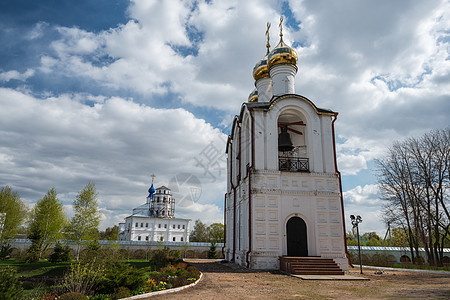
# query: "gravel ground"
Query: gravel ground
227,281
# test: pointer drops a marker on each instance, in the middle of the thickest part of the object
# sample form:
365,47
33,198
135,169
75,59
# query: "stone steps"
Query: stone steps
309,266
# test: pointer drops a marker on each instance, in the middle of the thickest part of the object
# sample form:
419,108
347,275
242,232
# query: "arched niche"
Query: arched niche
295,124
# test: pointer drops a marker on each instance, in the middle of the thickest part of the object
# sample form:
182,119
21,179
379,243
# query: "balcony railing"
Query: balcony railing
293,164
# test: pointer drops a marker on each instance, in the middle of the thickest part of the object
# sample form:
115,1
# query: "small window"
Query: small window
142,224
146,238
146,225
137,224
184,226
173,226
165,225
181,239
174,239
139,238
178,226
159,225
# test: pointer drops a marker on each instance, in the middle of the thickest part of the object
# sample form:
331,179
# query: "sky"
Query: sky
113,91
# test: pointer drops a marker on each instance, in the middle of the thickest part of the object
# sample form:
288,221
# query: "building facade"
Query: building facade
155,220
284,193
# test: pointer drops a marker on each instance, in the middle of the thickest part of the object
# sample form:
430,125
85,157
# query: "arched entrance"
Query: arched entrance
297,244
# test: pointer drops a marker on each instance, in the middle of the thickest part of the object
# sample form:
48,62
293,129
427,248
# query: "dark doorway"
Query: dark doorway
297,244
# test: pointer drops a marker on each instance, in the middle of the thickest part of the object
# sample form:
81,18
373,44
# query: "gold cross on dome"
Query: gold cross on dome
153,177
281,26
268,36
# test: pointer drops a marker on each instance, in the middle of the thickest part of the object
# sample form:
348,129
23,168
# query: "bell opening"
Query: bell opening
284,140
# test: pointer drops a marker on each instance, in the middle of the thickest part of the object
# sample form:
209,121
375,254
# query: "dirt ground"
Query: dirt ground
220,281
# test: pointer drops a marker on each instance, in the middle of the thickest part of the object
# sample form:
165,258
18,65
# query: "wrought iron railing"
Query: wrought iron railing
293,164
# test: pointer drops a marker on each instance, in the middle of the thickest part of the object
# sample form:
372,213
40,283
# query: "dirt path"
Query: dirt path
220,281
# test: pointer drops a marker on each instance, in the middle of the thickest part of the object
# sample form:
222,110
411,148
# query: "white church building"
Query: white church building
284,195
155,220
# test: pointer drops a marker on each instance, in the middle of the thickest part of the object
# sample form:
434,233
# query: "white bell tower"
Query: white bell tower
284,193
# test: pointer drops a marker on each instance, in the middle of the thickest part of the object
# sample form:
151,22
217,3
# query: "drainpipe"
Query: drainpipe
234,224
240,156
340,188
250,190
224,223
249,216
234,202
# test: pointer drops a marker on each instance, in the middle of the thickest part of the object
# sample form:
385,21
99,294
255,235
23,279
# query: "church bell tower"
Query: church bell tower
284,193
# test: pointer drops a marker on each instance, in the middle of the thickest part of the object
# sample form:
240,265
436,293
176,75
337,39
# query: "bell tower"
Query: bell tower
283,187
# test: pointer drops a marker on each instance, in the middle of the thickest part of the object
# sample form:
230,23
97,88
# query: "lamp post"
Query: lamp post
355,222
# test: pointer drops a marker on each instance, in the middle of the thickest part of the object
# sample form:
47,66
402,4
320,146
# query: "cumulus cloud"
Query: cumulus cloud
116,143
383,66
364,201
10,75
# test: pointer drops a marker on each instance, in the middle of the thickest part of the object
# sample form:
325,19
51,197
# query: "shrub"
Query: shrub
192,272
176,254
60,253
32,254
120,275
121,292
82,278
5,251
100,297
212,253
161,257
169,270
10,287
72,296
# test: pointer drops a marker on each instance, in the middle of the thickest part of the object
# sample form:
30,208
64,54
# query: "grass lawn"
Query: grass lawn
40,268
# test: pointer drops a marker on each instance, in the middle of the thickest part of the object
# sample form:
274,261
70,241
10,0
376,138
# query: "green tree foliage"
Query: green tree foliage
399,237
10,286
365,239
84,224
216,233
212,253
60,253
46,223
372,239
12,214
110,233
83,278
213,233
199,233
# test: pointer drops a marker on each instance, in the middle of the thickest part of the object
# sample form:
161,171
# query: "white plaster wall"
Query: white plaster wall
154,232
264,87
283,79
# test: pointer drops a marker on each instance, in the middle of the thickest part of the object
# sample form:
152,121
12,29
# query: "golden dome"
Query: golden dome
253,97
282,54
261,69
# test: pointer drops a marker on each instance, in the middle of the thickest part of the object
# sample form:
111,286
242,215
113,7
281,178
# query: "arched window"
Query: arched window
292,148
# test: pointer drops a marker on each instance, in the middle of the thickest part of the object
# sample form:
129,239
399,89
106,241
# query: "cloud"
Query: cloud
116,143
108,99
10,75
364,201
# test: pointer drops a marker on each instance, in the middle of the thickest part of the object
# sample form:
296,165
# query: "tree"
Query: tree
399,237
199,233
84,224
12,214
216,233
414,180
372,239
110,233
46,223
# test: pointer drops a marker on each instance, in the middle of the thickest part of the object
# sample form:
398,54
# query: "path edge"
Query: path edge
142,296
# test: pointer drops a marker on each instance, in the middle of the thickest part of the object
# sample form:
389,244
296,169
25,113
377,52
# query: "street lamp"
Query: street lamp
355,222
